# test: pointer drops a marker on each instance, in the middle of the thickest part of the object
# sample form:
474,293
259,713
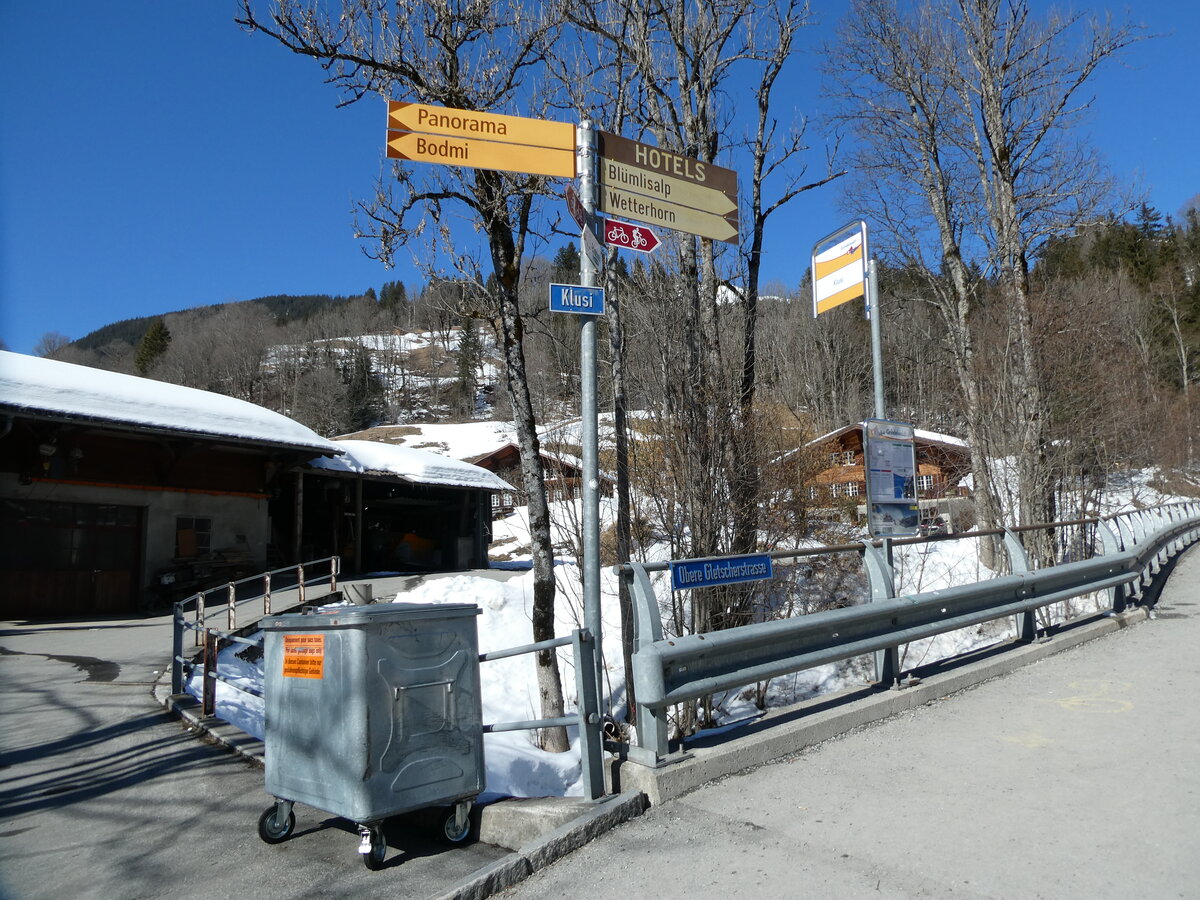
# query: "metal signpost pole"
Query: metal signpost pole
876,339
589,412
887,662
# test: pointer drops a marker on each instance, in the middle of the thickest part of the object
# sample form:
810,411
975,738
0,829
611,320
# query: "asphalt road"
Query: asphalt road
103,795
1077,776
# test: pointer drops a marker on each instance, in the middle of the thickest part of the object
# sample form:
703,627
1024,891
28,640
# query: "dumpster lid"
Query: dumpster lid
360,615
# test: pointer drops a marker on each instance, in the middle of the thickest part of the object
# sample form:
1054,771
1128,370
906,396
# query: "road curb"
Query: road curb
548,848
188,709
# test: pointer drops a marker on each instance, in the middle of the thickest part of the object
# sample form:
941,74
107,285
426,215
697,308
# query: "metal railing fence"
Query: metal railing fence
298,577
587,717
667,671
212,640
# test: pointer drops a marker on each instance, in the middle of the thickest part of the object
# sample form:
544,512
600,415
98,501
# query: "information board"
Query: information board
890,462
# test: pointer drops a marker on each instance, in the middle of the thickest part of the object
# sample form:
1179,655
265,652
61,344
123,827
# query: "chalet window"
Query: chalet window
925,482
853,488
847,457
193,536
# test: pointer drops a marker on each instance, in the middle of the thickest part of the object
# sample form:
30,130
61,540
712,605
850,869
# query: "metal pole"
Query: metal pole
887,662
876,339
589,412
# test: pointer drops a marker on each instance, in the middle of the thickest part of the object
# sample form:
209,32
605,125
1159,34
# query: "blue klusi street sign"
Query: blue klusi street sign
699,573
575,298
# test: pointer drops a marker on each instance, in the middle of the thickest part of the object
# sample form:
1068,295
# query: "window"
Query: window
193,536
841,458
925,483
853,488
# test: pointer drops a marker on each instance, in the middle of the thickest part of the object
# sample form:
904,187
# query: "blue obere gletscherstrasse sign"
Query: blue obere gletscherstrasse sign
698,573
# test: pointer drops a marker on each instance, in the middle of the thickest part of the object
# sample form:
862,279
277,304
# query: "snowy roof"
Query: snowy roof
52,389
464,440
929,437
409,464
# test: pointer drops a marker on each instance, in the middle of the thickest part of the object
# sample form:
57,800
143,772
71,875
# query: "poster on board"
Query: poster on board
890,463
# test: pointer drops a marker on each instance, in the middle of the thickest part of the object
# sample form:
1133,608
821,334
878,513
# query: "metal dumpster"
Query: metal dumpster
372,711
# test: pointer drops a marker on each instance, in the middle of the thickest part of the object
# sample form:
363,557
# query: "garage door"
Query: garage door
68,559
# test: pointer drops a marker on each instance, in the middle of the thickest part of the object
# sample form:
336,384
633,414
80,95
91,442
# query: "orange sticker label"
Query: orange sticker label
304,656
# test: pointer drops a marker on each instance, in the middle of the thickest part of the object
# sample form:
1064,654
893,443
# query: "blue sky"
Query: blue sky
153,158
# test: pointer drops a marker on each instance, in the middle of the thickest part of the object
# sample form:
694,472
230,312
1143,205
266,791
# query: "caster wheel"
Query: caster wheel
452,833
373,858
271,830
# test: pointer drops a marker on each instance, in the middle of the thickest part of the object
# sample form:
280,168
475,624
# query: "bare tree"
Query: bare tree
963,110
465,55
50,344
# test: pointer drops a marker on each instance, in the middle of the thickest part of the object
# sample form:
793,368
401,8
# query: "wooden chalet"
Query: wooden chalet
942,463
564,476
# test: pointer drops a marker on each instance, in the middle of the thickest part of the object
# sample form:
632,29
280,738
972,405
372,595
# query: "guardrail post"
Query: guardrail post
232,614
266,593
652,746
177,649
1137,526
1111,543
335,568
300,582
881,578
1018,563
208,692
590,747
200,618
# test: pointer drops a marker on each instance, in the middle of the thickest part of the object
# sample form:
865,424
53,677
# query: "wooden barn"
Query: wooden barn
111,484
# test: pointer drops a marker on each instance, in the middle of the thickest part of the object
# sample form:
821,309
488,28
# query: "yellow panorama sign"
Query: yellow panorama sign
480,140
481,125
839,271
453,151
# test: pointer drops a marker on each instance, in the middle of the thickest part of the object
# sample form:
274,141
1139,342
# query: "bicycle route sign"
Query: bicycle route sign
630,237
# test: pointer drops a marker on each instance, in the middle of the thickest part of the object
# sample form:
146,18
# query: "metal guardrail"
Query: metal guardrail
668,671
